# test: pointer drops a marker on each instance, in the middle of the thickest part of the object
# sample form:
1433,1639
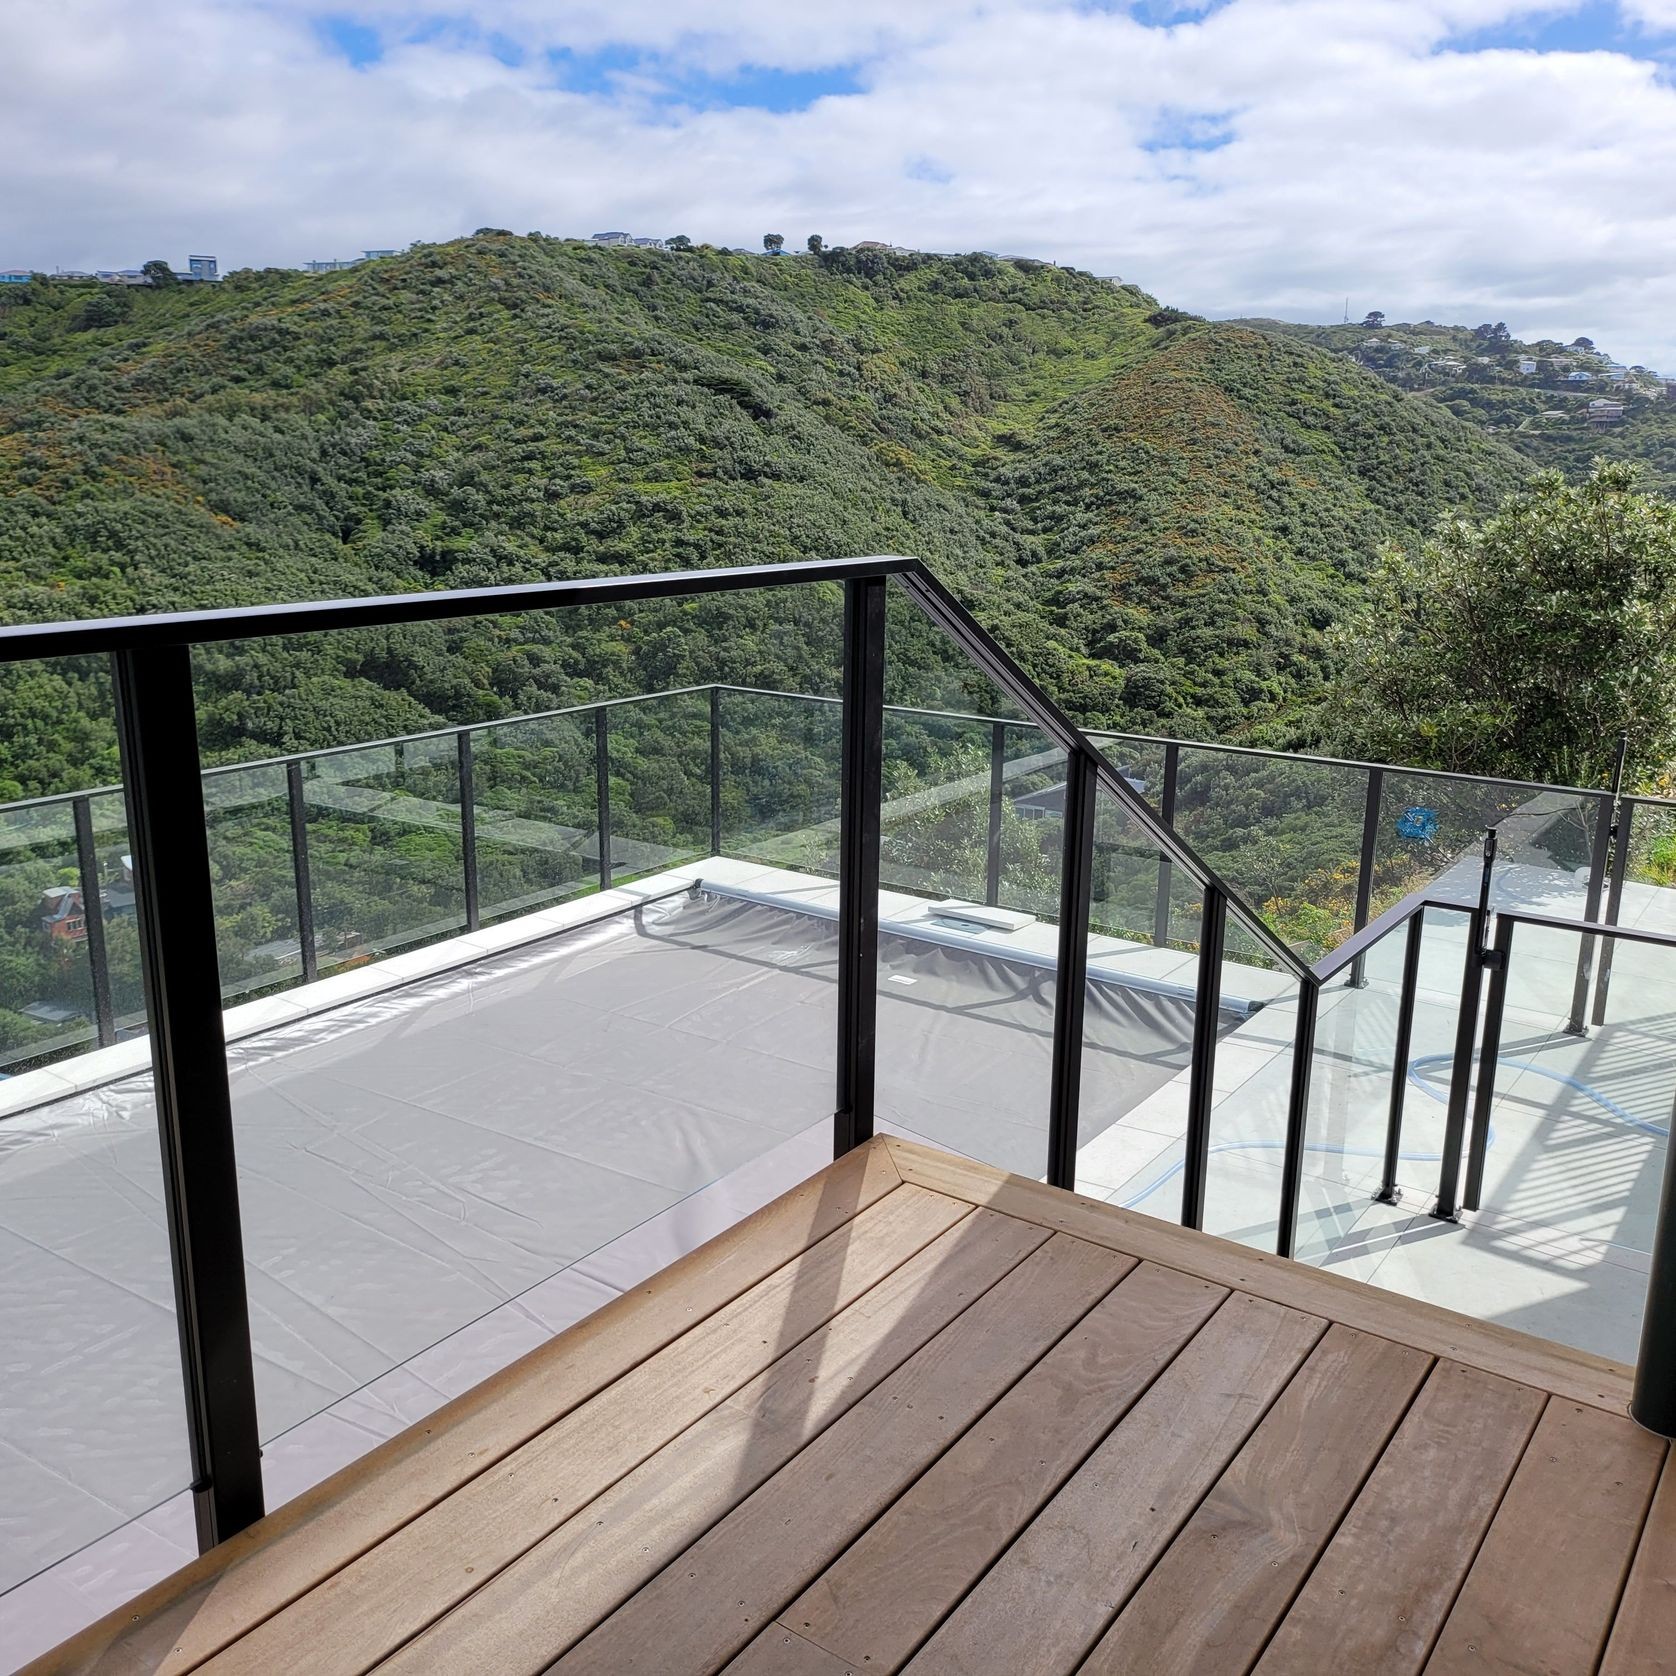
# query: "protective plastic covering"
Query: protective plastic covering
416,1159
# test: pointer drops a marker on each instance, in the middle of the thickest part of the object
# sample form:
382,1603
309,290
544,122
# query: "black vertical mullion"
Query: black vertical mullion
1070,989
301,871
1297,1118
1195,1173
861,784
1365,864
602,790
157,726
1389,1192
715,770
997,791
93,919
468,830
1167,811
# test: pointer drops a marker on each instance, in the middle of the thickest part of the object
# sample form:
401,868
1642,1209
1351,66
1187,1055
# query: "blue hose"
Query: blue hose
1417,1069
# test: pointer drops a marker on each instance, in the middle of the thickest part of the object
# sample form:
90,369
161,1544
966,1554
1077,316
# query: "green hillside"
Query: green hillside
1160,516
1485,376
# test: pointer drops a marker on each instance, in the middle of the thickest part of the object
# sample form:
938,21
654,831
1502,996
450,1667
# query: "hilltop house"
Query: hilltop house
613,238
1578,376
15,276
1603,412
1527,365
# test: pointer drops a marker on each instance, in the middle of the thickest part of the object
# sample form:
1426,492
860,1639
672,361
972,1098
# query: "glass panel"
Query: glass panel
934,824
780,773
659,753
46,987
535,797
1287,834
1137,1028
384,847
1649,893
1431,837
92,1414
1578,1133
122,929
423,1168
965,1022
254,880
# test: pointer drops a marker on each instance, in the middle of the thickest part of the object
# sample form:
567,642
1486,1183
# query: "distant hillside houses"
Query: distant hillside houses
334,265
629,240
199,270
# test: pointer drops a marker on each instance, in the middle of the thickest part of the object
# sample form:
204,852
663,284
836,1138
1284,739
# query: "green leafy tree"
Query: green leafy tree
1374,318
816,244
1524,645
109,306
773,243
679,242
158,272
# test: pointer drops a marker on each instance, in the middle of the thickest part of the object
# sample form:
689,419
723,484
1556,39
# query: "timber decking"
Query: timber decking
918,1415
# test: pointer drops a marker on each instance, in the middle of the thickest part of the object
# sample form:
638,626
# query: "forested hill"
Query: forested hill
1158,515
1542,397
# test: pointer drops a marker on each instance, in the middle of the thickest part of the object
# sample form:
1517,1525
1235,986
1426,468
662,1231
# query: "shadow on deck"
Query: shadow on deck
917,1414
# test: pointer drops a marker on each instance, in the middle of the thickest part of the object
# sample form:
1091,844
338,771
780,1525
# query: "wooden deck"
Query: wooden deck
917,1415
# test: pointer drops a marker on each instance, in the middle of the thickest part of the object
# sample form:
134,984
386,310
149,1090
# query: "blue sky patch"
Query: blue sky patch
1597,26
1190,131
357,42
667,82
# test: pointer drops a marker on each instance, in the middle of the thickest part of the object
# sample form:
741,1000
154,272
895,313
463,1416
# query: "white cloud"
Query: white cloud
1365,153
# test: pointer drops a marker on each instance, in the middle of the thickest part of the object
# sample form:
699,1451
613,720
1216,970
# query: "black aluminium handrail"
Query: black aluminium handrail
20,642
955,620
163,786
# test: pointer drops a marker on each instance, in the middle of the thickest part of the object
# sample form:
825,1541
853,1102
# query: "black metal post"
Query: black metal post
157,727
93,918
1599,853
1489,1052
861,790
1653,1402
997,791
1466,1036
1070,986
715,771
1623,817
301,871
1167,812
468,830
1389,1193
1213,925
602,789
1297,1119
1364,867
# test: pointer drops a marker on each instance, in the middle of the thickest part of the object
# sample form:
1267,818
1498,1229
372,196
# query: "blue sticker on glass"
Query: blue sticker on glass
1417,825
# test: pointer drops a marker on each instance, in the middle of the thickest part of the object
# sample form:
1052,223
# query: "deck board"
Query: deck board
1213,1600
1544,1589
1050,1596
894,1585
557,1591
373,1605
919,1415
699,1611
1378,1597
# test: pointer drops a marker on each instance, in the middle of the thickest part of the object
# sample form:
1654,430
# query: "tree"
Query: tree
816,244
679,242
110,305
1524,645
773,243
158,272
1373,318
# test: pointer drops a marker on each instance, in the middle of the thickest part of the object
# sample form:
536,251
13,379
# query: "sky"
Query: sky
1454,160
